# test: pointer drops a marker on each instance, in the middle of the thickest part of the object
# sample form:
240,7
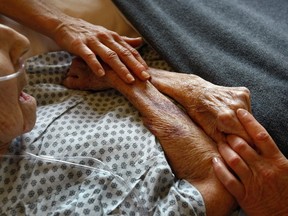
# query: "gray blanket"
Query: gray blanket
227,42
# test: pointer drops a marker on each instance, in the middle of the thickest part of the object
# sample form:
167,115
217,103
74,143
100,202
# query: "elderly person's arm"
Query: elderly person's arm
80,37
260,178
211,106
187,147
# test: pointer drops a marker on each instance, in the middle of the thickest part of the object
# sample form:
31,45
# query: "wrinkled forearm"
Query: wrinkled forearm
36,14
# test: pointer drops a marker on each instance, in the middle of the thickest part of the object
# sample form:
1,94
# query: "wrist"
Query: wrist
50,23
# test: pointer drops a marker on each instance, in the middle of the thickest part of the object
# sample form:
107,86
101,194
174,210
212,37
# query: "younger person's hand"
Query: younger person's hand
257,177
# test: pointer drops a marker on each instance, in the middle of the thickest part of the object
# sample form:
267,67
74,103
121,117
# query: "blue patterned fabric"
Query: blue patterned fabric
88,154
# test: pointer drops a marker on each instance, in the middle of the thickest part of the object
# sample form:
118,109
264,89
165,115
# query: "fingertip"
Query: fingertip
216,161
100,72
134,42
97,69
217,166
145,75
145,65
130,78
131,38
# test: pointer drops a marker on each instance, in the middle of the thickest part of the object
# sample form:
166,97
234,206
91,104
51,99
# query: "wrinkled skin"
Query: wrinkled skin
188,149
260,180
17,109
212,107
74,26
87,40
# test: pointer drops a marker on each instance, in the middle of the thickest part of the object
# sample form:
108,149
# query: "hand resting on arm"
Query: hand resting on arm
81,38
187,147
209,105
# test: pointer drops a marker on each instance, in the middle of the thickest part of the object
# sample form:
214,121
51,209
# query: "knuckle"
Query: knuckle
244,92
262,136
76,42
116,36
227,114
125,53
89,56
135,52
230,183
110,56
234,161
226,117
267,174
239,146
103,35
93,42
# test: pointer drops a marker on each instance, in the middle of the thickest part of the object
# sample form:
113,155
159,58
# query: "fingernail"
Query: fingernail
100,73
145,75
215,160
130,78
242,112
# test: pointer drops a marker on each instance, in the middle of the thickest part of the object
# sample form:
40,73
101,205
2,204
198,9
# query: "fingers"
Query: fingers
242,159
91,41
228,123
230,182
110,57
239,174
131,43
262,140
235,160
134,42
244,150
244,95
130,57
120,56
229,100
89,57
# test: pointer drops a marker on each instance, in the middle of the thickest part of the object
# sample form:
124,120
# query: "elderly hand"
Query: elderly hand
260,179
91,41
213,107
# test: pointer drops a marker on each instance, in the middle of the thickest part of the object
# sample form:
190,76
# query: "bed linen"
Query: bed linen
227,42
88,154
